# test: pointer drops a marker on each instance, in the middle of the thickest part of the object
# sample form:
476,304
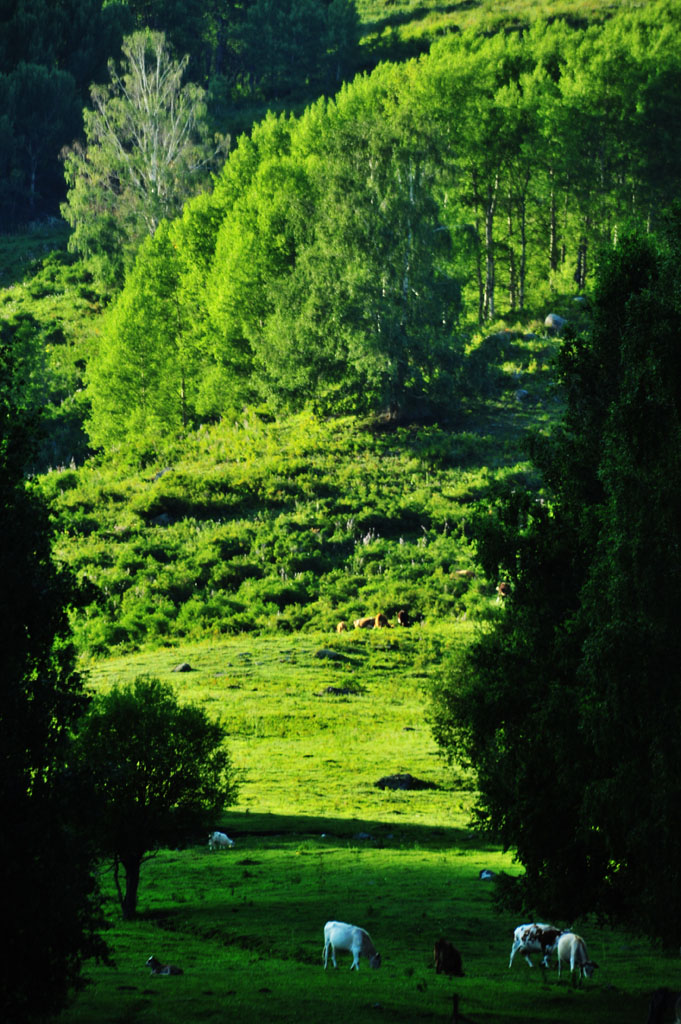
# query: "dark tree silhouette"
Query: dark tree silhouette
50,903
570,708
160,773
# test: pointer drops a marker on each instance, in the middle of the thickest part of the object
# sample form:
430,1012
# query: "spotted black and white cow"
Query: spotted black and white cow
534,938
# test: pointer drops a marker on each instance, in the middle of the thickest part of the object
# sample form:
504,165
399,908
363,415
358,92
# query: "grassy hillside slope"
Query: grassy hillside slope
296,525
394,29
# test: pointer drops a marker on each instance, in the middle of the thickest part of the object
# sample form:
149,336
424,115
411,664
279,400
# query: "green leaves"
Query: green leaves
339,250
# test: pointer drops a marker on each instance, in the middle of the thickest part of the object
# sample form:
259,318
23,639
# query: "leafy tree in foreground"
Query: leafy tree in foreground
160,772
569,708
50,904
147,151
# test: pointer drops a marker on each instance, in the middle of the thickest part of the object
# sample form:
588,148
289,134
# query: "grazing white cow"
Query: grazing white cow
534,938
352,939
219,841
572,950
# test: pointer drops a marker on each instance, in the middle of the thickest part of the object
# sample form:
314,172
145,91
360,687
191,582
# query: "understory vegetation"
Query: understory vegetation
300,523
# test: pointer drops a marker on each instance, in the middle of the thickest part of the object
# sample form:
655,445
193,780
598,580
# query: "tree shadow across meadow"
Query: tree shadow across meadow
287,874
292,829
393,19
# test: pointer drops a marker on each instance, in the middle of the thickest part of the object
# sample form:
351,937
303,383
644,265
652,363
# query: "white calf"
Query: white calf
219,841
351,938
572,950
534,938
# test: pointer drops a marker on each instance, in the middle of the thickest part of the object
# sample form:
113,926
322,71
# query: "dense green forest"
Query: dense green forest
316,309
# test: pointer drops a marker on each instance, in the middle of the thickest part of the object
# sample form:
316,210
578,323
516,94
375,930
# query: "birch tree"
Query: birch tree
147,150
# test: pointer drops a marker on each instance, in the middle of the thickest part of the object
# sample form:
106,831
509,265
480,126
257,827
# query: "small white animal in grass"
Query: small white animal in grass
219,841
572,949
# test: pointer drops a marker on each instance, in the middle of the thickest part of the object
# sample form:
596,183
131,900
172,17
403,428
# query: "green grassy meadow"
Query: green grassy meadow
316,839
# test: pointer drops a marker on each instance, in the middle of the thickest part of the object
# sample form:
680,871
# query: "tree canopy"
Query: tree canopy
340,250
569,709
244,55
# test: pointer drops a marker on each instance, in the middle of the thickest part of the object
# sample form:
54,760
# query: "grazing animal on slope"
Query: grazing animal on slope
403,618
158,968
219,841
572,949
447,959
354,940
366,622
664,1002
534,938
342,626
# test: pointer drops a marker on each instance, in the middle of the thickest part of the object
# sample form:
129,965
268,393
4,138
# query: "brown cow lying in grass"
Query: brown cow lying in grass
372,621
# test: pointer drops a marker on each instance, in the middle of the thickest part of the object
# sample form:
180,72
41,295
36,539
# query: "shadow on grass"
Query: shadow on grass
362,832
397,18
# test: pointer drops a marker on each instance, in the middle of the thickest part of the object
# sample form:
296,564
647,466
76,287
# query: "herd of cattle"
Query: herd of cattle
545,939
379,621
527,938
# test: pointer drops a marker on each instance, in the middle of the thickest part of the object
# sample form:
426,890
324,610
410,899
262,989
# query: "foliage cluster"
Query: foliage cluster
244,55
49,322
326,267
147,150
50,52
250,57
407,28
580,678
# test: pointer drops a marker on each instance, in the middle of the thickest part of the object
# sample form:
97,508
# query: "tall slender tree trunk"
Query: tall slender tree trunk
488,299
523,254
512,271
128,899
553,227
581,271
